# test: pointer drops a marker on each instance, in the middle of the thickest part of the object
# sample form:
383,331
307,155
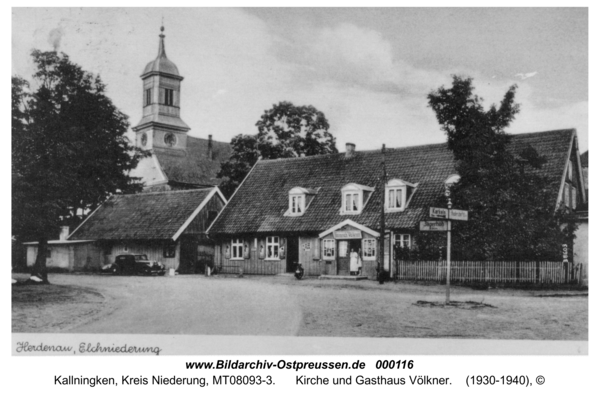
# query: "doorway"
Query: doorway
345,247
293,253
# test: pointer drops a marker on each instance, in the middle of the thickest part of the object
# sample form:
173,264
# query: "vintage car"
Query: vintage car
135,264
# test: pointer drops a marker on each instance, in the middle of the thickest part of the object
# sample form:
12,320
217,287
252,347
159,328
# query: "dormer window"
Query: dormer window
397,194
355,198
296,204
299,200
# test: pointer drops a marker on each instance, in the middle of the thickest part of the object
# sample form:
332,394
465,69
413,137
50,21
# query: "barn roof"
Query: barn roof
145,216
259,204
193,166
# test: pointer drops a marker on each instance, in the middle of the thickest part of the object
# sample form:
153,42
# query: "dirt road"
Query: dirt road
184,305
280,305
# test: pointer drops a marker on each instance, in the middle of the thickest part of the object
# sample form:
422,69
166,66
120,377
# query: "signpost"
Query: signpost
427,226
436,212
459,215
445,224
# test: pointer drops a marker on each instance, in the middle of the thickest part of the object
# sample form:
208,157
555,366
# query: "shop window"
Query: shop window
237,249
169,250
273,247
369,249
328,249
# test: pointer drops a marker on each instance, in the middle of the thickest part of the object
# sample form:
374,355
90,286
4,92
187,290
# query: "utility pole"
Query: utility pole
380,272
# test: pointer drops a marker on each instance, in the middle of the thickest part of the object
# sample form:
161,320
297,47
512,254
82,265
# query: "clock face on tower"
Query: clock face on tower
170,140
144,139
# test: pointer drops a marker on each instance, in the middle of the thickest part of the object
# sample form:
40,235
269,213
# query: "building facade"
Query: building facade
322,210
169,227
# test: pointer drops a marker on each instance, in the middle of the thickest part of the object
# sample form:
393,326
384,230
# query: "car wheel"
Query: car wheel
114,270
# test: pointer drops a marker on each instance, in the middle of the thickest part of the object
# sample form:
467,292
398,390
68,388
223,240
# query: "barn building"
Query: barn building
169,227
318,210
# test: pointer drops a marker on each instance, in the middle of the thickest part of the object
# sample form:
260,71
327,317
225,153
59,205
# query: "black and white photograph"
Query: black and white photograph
302,181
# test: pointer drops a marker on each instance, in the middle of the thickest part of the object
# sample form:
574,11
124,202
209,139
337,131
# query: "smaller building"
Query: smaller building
169,227
67,255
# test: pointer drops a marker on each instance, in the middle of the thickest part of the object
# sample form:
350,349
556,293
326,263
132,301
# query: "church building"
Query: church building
168,221
177,161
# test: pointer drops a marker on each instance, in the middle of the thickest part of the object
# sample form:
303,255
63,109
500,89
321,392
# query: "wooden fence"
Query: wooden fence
493,272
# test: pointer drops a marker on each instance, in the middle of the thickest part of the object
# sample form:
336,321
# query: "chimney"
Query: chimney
64,233
209,154
350,147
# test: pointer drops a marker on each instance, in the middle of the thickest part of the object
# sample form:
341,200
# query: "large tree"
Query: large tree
512,207
284,131
69,150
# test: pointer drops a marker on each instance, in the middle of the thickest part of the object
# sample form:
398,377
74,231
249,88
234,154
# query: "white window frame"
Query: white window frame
399,237
352,202
398,186
373,249
297,204
272,241
237,250
328,244
348,192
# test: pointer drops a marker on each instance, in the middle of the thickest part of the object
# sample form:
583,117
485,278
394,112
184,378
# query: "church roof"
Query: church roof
193,166
145,216
259,204
161,64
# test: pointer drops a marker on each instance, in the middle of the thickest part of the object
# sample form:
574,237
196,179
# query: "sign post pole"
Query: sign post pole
448,248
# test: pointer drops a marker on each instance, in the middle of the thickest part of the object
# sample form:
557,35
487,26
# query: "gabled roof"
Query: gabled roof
145,216
193,166
260,202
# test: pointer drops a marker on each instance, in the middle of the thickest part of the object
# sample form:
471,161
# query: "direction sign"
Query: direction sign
460,215
434,226
435,212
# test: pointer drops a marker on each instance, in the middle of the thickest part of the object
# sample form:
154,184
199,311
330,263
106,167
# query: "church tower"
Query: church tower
161,128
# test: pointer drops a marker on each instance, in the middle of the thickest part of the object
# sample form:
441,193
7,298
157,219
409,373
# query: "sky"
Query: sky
368,70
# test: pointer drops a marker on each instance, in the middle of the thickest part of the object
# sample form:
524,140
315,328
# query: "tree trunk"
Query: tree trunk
39,269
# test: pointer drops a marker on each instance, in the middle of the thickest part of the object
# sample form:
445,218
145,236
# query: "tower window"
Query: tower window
168,97
148,96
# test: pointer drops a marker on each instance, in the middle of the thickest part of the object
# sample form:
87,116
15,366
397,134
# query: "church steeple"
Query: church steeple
161,44
161,125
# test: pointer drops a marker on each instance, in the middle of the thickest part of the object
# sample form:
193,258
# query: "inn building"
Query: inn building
318,210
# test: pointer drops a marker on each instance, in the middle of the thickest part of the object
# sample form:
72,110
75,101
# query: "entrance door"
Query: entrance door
345,247
187,258
292,254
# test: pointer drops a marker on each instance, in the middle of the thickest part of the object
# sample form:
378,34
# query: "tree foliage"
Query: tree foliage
512,213
69,149
284,131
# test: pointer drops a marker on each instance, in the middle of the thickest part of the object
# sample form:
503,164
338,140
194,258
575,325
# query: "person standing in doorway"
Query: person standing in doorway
353,262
